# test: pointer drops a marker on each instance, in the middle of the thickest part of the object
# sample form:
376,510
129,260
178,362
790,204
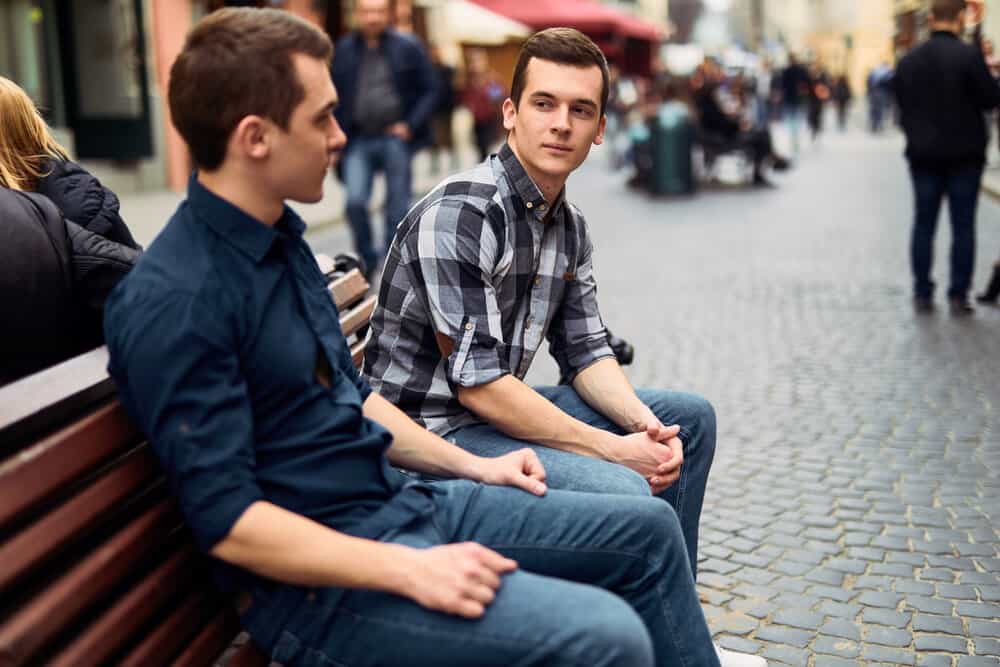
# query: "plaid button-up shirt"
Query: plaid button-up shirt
483,262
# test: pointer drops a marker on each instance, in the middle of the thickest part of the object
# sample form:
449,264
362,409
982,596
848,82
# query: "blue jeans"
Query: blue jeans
961,184
602,582
793,121
573,472
362,158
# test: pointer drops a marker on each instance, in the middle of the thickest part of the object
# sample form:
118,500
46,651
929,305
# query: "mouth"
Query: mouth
558,148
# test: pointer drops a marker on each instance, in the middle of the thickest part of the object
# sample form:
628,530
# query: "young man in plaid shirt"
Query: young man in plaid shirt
494,261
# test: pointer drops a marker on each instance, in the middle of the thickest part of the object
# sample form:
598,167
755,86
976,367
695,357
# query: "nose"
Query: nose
560,120
337,137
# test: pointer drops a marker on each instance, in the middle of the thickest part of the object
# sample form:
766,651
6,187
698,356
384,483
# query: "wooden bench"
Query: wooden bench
96,565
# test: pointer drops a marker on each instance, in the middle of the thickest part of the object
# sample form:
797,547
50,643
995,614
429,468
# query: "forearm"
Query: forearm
278,544
520,412
416,448
604,387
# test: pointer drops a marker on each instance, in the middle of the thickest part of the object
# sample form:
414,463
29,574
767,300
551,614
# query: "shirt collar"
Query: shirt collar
525,188
237,227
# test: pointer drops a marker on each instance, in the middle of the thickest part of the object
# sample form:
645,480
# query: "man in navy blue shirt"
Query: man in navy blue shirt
227,350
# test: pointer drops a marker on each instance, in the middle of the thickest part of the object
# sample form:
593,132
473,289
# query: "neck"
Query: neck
371,41
550,186
238,190
954,27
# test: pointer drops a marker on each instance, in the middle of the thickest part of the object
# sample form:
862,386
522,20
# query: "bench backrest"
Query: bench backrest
95,562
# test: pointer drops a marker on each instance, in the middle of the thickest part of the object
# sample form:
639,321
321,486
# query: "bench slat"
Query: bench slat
46,536
358,354
325,263
211,642
33,474
357,317
348,288
114,628
163,643
54,608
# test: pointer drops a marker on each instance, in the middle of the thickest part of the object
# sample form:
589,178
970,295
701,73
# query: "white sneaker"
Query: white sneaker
734,659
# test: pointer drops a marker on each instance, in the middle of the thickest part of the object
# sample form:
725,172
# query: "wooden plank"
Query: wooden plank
35,473
326,264
164,642
48,613
349,288
357,317
248,655
211,642
109,633
36,404
45,537
358,353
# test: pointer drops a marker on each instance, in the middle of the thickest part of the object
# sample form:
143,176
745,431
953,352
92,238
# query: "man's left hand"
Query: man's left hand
400,130
520,469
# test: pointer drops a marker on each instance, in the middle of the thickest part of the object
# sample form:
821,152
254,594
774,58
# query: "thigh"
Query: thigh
928,189
564,470
963,195
396,157
534,620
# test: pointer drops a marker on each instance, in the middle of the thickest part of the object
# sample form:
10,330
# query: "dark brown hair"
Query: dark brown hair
565,46
237,62
946,10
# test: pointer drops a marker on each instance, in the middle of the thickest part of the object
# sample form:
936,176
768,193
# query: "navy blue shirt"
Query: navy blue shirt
215,339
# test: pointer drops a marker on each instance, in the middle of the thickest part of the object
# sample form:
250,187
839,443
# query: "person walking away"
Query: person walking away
819,93
794,91
483,95
879,96
943,87
387,97
842,97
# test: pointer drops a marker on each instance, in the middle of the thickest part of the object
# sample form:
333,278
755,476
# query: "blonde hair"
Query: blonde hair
26,143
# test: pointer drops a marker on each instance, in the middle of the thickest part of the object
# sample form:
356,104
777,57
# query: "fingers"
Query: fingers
494,561
533,466
661,433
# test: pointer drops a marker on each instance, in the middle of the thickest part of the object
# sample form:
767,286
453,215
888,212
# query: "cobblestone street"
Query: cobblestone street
853,511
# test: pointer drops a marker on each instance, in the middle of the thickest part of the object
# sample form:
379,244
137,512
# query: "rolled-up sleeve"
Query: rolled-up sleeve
453,251
577,336
174,359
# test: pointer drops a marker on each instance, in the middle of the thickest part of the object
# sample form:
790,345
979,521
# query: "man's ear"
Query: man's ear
509,110
599,139
252,138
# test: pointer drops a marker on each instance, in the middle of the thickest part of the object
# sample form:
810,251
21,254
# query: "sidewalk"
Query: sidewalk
991,181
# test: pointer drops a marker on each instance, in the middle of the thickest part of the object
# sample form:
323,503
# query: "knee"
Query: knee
356,202
625,482
610,633
659,520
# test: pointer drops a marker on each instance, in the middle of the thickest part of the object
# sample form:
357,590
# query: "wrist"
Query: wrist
398,567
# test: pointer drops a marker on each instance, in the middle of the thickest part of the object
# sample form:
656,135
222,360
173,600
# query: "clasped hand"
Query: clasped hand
656,453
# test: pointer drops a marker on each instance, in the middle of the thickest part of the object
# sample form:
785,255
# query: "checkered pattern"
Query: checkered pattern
482,261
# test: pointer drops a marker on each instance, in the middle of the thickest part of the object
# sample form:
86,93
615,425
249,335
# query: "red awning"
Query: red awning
585,15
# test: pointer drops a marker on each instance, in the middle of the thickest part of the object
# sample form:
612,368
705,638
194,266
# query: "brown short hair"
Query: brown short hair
565,46
237,62
946,10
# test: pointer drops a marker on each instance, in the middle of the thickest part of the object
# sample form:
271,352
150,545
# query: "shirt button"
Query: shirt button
542,207
538,281
468,326
529,205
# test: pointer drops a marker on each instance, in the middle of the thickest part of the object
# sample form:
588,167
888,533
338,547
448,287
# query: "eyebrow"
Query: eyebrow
583,100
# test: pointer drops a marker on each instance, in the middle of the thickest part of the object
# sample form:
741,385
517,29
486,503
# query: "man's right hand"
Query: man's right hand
643,454
458,579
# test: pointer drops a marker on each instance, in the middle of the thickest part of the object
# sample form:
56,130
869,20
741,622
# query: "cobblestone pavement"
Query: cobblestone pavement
853,511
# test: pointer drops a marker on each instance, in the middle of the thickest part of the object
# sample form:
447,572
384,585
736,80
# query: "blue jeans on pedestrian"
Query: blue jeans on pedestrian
602,581
574,472
930,184
794,114
362,158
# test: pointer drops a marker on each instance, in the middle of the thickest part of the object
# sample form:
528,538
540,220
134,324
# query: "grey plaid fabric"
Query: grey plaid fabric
482,261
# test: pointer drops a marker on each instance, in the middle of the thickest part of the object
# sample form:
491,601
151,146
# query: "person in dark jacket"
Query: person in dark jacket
32,160
943,87
54,278
388,95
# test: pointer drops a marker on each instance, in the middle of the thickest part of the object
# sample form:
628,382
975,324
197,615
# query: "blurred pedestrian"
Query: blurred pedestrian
842,97
444,112
763,91
483,94
388,95
794,92
819,94
943,88
879,96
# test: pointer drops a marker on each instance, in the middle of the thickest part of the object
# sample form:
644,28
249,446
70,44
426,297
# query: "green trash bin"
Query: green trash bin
671,143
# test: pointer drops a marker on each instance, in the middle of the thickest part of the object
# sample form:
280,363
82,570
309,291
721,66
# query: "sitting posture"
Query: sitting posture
227,349
496,260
